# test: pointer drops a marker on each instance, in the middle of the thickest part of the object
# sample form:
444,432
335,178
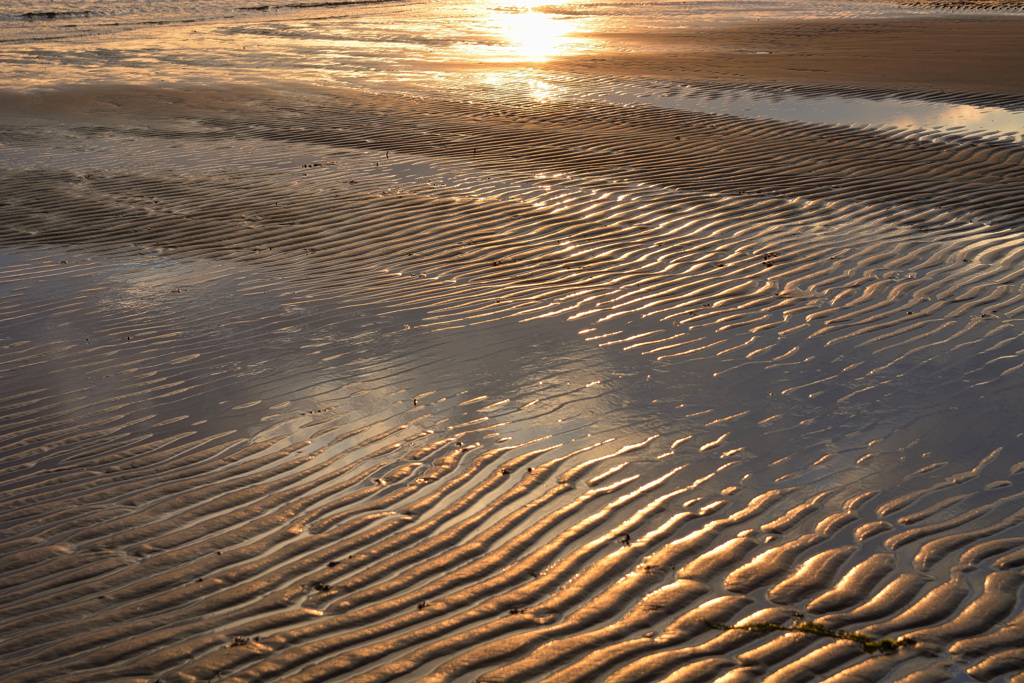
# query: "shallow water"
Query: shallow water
337,43
892,112
400,375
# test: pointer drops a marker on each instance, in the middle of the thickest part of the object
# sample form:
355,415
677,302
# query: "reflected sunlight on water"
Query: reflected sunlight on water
532,30
524,83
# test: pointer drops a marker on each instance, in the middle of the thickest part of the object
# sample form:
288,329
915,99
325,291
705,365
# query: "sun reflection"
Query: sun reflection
533,29
525,82
541,91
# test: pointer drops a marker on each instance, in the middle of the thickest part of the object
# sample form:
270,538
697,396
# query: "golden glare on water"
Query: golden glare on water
533,30
530,32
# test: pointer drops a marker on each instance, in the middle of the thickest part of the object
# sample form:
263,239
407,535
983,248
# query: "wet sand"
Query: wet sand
967,53
332,384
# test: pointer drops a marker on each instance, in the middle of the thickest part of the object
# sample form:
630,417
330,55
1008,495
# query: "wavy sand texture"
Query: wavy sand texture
349,387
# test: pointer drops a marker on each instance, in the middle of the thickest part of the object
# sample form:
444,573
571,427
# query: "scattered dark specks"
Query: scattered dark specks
239,641
176,291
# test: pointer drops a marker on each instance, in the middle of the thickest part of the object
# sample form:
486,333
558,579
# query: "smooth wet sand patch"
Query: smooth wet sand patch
963,53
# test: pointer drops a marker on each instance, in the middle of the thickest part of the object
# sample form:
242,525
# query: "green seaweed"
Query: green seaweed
883,645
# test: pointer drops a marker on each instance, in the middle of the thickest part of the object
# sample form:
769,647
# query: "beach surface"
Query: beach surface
970,53
518,342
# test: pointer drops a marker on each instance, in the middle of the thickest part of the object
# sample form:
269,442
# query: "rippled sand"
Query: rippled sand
509,380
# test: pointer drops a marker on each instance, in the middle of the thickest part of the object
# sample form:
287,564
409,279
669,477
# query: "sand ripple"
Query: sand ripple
340,387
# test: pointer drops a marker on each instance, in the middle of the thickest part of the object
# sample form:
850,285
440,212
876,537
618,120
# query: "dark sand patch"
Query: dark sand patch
964,53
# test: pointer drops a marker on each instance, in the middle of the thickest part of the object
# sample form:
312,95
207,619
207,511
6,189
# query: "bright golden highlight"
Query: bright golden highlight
535,35
532,30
